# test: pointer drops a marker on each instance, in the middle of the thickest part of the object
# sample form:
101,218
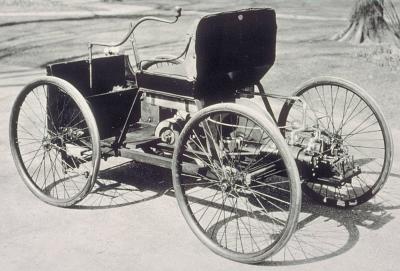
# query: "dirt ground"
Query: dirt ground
136,224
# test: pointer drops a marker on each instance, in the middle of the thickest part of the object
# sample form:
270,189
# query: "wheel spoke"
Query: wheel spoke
357,126
53,141
234,206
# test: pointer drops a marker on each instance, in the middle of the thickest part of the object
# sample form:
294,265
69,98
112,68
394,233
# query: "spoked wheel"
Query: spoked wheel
54,141
352,120
236,182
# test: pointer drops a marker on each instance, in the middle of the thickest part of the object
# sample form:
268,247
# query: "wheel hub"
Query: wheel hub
49,143
226,186
233,180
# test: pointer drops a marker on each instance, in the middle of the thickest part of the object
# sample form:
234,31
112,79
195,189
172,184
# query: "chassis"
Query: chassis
238,171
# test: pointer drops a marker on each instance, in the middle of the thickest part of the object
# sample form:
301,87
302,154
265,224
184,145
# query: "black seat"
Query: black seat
232,50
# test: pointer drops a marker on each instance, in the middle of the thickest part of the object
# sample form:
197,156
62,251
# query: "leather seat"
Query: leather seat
228,51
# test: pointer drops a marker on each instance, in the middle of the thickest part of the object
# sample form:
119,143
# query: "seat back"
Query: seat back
234,49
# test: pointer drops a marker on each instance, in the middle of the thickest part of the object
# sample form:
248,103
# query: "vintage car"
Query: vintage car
238,171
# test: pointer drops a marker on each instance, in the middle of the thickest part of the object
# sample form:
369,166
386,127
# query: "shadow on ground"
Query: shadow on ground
322,232
127,184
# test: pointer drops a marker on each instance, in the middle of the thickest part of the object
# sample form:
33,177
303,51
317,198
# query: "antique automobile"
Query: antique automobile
238,170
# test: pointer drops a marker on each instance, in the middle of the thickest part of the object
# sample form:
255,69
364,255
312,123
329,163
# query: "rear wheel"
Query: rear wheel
236,182
350,117
54,141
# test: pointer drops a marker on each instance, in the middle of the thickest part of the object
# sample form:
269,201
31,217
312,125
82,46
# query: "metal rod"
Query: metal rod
125,127
157,160
264,96
266,101
147,158
167,94
148,18
90,47
135,52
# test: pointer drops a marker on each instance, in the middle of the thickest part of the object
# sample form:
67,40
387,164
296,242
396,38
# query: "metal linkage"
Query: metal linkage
264,96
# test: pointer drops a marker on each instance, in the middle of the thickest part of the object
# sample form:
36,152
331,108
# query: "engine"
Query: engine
322,157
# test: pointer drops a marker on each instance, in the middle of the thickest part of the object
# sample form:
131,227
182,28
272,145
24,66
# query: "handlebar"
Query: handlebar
178,11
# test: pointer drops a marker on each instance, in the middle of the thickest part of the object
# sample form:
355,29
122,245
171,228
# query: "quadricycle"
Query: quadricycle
238,170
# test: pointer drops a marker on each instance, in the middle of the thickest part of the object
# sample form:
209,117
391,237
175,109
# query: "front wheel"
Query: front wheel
54,141
236,182
351,123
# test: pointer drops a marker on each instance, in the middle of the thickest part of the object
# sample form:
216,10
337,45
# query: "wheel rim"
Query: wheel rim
352,117
53,144
241,203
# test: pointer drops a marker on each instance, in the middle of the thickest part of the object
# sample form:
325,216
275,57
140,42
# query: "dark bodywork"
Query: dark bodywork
233,50
112,93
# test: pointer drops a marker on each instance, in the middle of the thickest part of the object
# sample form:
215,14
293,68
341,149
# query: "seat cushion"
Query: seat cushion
171,84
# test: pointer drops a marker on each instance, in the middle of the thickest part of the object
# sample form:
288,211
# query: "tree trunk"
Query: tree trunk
368,24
